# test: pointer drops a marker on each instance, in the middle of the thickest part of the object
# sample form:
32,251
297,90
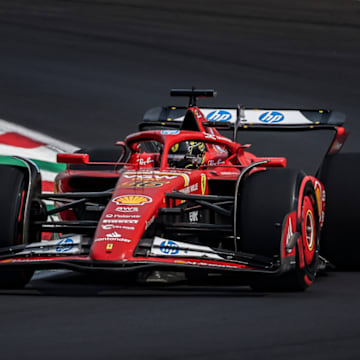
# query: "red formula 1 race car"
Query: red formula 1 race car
176,196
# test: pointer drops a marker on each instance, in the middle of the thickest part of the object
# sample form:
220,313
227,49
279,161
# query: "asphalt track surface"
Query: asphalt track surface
85,72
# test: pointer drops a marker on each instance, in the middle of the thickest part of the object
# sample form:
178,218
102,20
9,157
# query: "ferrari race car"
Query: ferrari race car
177,196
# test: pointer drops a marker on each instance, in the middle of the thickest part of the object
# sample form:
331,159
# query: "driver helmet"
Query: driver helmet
187,154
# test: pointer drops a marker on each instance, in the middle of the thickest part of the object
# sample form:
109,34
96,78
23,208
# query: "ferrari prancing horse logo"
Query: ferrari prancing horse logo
203,184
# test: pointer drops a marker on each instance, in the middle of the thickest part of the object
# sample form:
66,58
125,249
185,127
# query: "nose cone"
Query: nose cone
132,209
122,225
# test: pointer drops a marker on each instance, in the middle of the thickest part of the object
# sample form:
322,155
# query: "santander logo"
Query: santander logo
113,234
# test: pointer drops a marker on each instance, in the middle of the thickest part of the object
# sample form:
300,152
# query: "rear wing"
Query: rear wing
239,119
173,116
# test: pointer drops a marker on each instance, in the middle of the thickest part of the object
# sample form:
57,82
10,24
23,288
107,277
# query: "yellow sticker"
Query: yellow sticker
203,183
109,246
132,199
318,199
175,148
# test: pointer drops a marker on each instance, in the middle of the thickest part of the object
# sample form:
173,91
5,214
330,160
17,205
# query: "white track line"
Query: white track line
58,145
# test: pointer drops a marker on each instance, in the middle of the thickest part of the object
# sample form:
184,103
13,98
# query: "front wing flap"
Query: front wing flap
164,254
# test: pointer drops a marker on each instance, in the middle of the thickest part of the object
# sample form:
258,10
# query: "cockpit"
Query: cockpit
186,150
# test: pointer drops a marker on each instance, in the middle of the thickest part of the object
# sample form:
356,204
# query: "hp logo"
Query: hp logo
64,245
219,115
271,117
169,247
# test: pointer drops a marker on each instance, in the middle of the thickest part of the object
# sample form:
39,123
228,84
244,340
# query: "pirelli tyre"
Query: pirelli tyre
265,199
13,188
340,243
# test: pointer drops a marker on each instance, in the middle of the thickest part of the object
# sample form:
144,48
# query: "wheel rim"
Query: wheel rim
308,231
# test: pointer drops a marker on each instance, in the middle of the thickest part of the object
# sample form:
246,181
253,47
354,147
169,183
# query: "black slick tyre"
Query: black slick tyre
339,242
13,186
265,199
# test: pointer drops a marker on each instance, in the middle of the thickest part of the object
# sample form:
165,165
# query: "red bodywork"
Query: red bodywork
146,178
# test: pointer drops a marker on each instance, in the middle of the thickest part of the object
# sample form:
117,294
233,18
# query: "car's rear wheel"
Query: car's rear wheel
265,199
339,244
13,187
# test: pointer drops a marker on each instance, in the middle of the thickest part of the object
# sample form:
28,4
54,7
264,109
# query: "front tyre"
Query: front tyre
264,202
13,189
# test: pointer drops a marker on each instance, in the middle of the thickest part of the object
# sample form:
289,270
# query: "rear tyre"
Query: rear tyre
266,198
339,244
13,186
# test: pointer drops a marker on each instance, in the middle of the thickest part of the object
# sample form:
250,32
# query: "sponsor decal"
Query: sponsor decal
121,216
132,199
150,177
271,117
203,183
318,197
112,239
169,247
127,209
113,234
120,221
125,227
185,176
143,183
170,132
146,161
190,189
112,226
215,163
219,115
64,245
109,246
194,216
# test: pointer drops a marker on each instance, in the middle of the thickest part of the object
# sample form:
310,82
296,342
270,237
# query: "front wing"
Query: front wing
72,253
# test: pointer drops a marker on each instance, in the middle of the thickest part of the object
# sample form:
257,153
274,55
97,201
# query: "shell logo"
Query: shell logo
132,200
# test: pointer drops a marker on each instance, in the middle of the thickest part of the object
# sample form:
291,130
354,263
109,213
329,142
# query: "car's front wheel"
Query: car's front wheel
264,202
13,191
